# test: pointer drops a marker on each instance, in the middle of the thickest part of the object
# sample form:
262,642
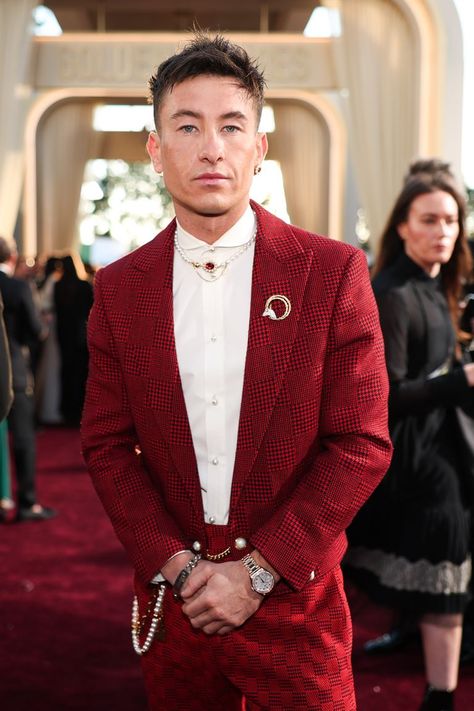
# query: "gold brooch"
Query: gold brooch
269,311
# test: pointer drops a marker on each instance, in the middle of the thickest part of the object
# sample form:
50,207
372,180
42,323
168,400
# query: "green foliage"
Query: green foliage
128,202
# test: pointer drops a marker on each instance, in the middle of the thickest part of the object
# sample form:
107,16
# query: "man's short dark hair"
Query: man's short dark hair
213,56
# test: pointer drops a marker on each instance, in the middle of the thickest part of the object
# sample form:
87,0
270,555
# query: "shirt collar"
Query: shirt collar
238,235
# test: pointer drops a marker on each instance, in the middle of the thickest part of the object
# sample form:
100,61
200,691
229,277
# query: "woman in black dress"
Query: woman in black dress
410,546
73,297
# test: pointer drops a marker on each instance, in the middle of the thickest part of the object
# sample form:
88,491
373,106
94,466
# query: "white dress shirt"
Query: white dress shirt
211,323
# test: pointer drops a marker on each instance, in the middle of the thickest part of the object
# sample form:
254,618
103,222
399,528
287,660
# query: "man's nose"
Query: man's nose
212,148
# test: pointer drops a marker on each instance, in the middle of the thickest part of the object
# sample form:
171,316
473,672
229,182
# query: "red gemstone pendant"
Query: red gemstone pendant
209,266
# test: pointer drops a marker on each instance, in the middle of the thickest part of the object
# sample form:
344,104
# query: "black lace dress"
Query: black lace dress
410,545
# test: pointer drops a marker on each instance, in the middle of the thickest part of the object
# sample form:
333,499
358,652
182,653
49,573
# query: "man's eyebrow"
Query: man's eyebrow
185,112
235,115
195,114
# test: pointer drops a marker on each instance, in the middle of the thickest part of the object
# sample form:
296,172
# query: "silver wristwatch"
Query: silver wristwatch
261,580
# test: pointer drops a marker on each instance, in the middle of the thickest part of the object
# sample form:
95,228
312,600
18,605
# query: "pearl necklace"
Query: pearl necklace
210,270
157,617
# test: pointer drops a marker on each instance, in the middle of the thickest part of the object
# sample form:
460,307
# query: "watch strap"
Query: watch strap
251,564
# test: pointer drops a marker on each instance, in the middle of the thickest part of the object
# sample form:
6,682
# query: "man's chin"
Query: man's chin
212,206
211,212
212,209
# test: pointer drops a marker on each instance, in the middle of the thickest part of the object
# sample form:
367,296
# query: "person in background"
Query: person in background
6,393
73,297
467,317
236,414
467,326
47,379
6,397
23,329
410,545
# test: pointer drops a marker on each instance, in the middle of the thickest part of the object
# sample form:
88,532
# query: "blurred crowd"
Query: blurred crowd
62,292
46,303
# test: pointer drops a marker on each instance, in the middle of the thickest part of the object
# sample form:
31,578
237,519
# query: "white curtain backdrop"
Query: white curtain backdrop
301,145
377,61
15,44
66,140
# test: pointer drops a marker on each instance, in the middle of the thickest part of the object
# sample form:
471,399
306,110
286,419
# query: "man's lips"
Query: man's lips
210,177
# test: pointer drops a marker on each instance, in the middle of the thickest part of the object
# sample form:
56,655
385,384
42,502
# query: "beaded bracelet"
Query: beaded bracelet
184,575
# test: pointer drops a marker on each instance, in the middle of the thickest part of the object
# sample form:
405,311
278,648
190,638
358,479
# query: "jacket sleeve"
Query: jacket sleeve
109,444
353,448
413,396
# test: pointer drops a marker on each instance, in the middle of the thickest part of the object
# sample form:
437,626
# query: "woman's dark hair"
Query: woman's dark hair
69,268
205,55
429,176
428,166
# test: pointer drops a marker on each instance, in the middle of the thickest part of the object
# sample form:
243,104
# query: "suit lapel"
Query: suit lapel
281,267
172,420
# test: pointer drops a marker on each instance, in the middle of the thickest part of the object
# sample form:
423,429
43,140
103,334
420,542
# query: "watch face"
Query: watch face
263,582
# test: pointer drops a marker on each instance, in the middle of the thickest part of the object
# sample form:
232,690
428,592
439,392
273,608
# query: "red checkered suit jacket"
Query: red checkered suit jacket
313,440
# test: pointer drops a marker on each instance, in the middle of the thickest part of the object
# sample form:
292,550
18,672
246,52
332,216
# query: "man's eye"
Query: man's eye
231,129
187,129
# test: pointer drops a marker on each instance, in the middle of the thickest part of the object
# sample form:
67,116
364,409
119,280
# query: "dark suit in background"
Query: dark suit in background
6,396
23,330
5,369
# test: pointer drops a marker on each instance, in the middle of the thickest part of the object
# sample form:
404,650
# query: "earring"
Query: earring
257,170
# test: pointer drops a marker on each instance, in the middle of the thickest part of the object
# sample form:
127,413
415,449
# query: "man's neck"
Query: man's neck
208,228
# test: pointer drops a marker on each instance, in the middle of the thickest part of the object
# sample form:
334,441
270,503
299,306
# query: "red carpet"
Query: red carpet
66,603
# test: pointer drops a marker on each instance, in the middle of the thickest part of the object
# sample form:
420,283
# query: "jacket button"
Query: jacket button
240,543
196,546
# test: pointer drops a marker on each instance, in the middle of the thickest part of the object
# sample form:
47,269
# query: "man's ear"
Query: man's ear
262,147
153,146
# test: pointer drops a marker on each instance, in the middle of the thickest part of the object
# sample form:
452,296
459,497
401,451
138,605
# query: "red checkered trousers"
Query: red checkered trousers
294,653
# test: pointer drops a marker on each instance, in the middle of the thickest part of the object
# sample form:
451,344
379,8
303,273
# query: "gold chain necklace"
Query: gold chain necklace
209,270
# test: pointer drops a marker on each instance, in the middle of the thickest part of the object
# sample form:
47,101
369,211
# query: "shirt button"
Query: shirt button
215,461
212,519
214,400
213,338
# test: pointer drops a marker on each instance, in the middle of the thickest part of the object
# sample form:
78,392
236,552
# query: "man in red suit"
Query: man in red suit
235,417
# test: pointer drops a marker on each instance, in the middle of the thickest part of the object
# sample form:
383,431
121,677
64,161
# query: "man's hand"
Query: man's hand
218,597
